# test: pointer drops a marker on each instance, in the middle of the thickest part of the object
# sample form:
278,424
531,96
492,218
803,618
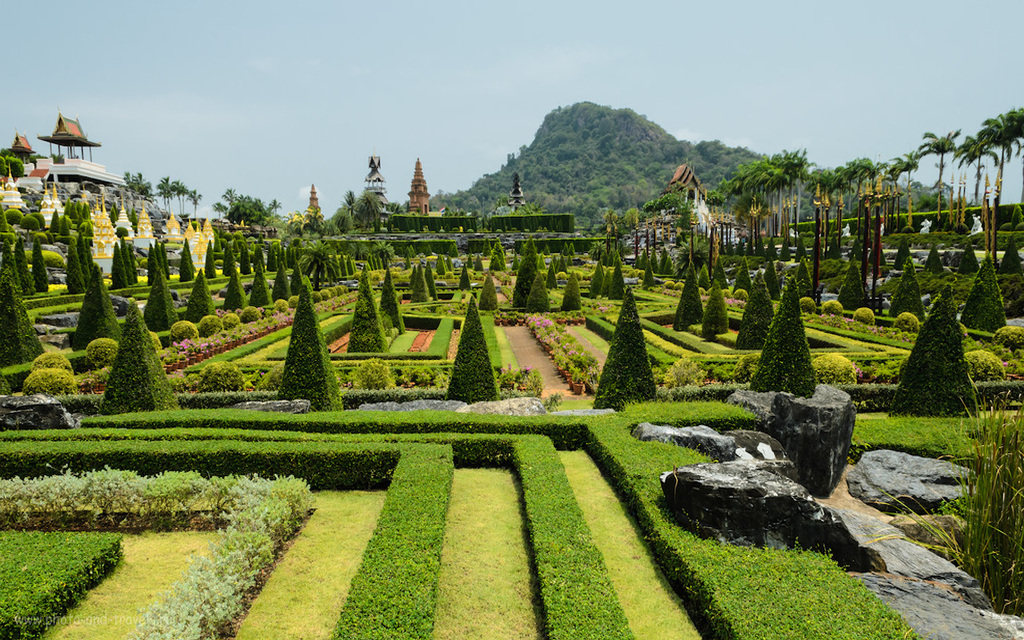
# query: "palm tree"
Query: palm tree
368,209
975,150
273,207
934,145
194,197
383,251
318,261
229,197
313,220
180,192
165,190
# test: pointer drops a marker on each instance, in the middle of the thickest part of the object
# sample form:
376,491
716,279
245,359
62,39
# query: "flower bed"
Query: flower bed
577,365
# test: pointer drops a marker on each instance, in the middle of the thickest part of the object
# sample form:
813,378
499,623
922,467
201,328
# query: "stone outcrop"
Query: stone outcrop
511,407
36,411
278,406
815,432
120,304
582,412
414,405
893,481
722,447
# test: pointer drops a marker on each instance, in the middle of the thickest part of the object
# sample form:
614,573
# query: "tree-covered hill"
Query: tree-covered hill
587,157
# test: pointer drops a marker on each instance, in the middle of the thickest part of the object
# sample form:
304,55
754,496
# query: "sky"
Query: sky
270,97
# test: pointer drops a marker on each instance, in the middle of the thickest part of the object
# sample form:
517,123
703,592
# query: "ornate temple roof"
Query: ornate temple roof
69,133
20,146
684,177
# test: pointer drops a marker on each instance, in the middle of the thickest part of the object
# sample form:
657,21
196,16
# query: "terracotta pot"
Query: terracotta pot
577,388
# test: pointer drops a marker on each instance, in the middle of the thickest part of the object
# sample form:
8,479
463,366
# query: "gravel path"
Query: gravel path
530,354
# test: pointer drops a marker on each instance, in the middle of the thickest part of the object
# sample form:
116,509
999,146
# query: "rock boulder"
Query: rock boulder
893,481
414,405
511,407
36,411
723,447
279,406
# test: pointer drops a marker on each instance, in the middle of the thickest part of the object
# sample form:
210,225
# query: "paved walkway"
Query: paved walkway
529,353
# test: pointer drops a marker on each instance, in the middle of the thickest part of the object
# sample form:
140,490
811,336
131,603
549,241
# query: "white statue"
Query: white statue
846,230
926,226
975,225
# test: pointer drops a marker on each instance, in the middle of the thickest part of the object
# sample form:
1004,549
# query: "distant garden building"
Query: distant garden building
375,180
72,166
515,197
419,197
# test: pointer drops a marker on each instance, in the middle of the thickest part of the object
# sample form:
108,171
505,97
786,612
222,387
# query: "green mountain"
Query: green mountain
588,157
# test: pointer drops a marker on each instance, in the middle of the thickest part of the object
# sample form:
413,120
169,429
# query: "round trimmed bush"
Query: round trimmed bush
281,306
373,374
272,380
1010,337
864,315
52,361
293,302
52,382
101,352
250,314
807,305
183,330
746,367
210,325
832,307
683,373
53,260
740,294
316,297
834,369
1006,226
155,338
221,376
231,320
984,366
1019,227
908,323
30,223
13,216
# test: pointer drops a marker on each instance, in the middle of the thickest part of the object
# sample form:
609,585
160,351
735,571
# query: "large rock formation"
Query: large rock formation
723,447
277,406
36,411
815,432
414,405
893,481
511,407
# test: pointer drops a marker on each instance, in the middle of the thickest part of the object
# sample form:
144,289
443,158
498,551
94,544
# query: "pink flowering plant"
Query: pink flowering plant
565,349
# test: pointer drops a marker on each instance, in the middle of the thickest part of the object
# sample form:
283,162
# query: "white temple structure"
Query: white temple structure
11,197
144,238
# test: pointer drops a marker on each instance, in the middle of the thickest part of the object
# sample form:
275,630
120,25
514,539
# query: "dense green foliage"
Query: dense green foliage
716,317
626,375
851,295
472,374
538,301
743,280
40,279
200,302
74,279
159,313
525,275
18,340
902,253
1010,264
618,284
418,285
489,295
757,317
984,307
785,363
934,262
367,335
308,372
234,297
597,281
908,294
137,380
186,269
389,302
464,283
259,295
97,318
690,309
968,262
771,280
571,300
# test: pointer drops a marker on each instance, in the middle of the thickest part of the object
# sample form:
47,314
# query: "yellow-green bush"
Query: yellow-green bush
807,305
832,307
739,294
183,330
684,372
374,374
221,376
864,315
101,352
908,322
984,366
280,306
210,325
52,382
293,302
746,366
834,369
272,379
250,314
231,320
1010,337
52,361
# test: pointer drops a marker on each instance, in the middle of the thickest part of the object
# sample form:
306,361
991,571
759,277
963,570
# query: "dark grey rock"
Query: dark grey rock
511,407
700,438
278,406
60,319
893,481
936,612
414,405
815,432
744,503
36,411
59,340
582,412
120,304
41,329
755,445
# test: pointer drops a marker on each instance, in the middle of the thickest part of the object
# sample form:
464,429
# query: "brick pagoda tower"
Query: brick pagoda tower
419,198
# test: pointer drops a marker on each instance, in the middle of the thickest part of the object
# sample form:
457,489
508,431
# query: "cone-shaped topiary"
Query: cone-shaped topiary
463,278
244,266
489,295
228,267
137,380
934,262
259,295
389,302
935,380
497,261
525,276
968,261
785,363
771,280
801,252
984,307
308,372
257,256
550,279
84,260
97,318
296,282
28,286
690,309
472,375
665,265
716,317
159,314
209,265
626,375
803,279
273,258
649,276
571,297
18,340
117,270
908,293
784,254
74,279
186,270
200,302
428,278
478,264
757,317
131,267
281,290
618,285
719,279
41,281
1010,264
418,284
234,297
703,279
769,251
742,279
903,253
366,335
597,281
538,301
851,295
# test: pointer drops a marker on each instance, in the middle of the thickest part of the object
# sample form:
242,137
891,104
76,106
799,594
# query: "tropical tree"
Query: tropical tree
368,209
194,197
318,261
165,190
941,146
974,150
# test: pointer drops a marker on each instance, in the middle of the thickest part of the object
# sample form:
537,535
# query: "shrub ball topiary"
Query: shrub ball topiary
52,382
834,369
1010,337
984,366
690,309
786,359
864,315
101,352
373,374
317,297
293,302
832,308
746,367
250,314
221,376
308,372
472,374
230,320
210,325
908,294
52,360
137,380
183,330
907,322
281,306
626,375
740,294
984,307
807,305
684,373
936,380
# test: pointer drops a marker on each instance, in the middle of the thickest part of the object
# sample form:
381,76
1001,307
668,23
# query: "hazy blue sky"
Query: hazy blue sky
268,97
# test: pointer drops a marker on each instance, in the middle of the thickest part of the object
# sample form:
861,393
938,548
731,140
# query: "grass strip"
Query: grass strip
485,590
928,437
403,342
304,595
394,592
491,339
508,358
152,562
653,609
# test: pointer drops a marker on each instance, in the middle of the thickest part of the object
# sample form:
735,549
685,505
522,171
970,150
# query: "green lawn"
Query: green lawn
930,437
304,595
508,358
403,342
485,588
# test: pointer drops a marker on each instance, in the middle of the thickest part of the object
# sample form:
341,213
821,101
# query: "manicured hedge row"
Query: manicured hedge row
421,323
414,223
36,302
89,403
555,222
394,592
45,574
